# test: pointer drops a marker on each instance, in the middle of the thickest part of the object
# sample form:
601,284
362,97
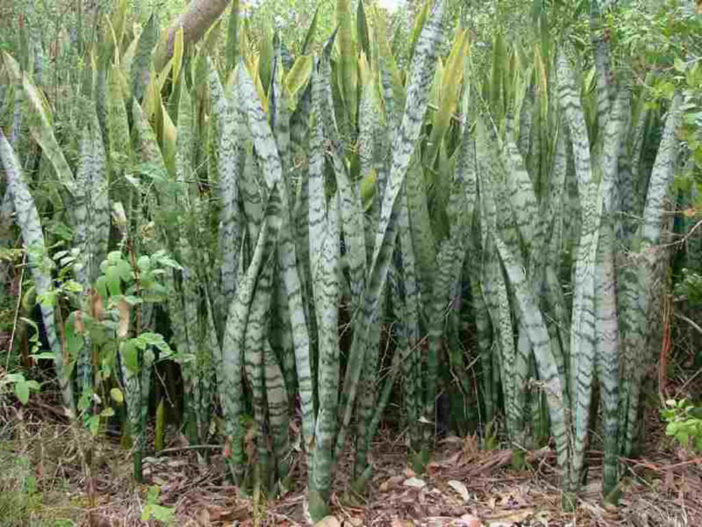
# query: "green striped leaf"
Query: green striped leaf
27,218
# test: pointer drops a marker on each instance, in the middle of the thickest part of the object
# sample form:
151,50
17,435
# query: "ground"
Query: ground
43,482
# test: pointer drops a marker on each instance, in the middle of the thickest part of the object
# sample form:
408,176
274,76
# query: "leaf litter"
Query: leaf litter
463,487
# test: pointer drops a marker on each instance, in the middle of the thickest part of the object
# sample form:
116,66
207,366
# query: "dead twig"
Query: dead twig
17,309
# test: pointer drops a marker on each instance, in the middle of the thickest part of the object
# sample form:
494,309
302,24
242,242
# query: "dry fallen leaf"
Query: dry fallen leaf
203,518
509,518
396,522
329,521
471,448
459,487
391,483
414,482
468,520
453,460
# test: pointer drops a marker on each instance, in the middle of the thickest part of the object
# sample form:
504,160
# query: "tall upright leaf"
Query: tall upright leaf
27,218
404,145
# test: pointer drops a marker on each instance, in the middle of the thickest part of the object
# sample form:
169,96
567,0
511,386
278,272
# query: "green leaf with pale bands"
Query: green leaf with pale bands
40,125
27,218
348,72
269,160
404,145
140,73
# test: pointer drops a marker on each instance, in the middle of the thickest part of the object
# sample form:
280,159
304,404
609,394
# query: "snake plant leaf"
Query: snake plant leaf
582,336
551,205
232,354
607,352
267,153
95,223
497,79
369,121
405,142
451,82
606,343
265,60
636,283
326,296
392,80
118,135
351,212
350,209
603,66
27,218
309,36
421,228
661,177
149,153
281,339
449,261
228,169
495,286
326,97
119,17
39,121
299,75
256,330
362,33
641,121
535,327
178,50
277,399
184,159
315,183
412,363
522,196
280,120
526,121
347,61
232,46
299,128
140,68
252,195
129,358
419,22
262,136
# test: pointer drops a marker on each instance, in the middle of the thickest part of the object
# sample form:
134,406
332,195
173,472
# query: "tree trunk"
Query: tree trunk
195,21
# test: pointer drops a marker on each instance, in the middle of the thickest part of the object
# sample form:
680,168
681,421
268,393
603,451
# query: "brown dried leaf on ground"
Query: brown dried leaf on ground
329,521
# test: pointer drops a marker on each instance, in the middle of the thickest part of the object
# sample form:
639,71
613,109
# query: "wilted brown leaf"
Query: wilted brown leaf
391,483
460,488
471,448
97,309
329,521
510,516
123,324
78,321
468,520
203,518
414,482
